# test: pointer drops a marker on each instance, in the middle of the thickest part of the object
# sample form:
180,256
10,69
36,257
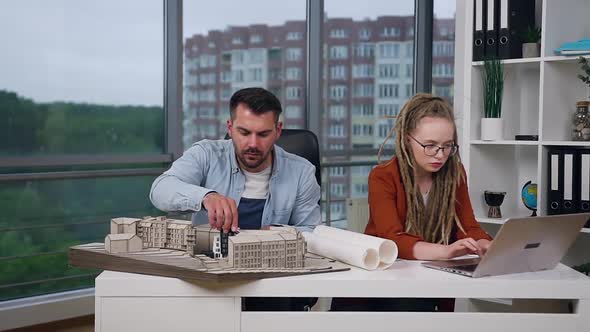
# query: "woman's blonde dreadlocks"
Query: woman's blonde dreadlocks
434,222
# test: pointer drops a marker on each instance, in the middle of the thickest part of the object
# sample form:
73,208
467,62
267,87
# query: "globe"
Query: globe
529,196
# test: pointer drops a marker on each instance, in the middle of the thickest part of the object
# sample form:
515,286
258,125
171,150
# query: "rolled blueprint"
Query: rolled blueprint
386,249
363,257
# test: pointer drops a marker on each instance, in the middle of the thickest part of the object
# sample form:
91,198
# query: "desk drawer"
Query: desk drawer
166,314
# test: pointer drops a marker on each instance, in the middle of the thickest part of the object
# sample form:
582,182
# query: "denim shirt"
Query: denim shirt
211,166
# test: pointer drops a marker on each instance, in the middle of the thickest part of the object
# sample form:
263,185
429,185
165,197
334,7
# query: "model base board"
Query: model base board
179,264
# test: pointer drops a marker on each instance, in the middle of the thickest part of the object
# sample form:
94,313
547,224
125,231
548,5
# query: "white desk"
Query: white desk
133,302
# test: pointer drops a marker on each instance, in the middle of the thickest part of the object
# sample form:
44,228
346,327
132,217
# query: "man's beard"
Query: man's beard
252,163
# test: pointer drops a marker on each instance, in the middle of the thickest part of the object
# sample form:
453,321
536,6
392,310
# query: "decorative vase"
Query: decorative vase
531,50
492,129
494,199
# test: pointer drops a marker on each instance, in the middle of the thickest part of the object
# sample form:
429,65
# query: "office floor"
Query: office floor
79,324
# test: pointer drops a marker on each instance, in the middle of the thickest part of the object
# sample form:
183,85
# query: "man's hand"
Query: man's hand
463,247
222,212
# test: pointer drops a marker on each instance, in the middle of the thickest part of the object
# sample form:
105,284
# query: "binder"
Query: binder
478,30
515,16
569,184
503,29
555,182
491,32
583,180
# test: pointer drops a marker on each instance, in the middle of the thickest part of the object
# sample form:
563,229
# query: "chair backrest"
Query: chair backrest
303,143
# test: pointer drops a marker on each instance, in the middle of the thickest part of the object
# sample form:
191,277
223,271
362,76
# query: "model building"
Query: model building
278,247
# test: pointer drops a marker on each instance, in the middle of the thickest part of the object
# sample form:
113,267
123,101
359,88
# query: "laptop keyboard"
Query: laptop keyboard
468,268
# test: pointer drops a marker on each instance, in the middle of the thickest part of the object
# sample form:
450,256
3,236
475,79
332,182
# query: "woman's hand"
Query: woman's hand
464,247
484,245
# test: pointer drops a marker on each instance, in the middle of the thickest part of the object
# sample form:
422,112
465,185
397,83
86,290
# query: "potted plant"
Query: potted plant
492,126
531,38
585,76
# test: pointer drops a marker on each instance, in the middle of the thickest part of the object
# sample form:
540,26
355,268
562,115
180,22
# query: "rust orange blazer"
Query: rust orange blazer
388,209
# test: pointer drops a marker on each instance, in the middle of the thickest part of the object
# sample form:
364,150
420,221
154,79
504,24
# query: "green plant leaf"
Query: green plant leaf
585,77
493,87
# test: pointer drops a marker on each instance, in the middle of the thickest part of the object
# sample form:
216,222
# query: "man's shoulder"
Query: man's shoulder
292,160
210,145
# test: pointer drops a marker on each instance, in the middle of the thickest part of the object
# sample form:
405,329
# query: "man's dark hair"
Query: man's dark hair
258,100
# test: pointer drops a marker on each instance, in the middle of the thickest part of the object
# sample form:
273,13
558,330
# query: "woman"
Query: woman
419,198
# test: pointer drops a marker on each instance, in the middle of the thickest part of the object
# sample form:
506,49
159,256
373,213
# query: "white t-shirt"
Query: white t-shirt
257,184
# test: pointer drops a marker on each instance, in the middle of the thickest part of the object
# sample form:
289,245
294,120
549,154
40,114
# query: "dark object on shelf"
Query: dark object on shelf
581,122
526,137
502,37
528,195
568,180
584,268
479,19
494,199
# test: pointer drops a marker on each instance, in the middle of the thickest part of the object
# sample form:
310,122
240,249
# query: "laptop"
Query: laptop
522,245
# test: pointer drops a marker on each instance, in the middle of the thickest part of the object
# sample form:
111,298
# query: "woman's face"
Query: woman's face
432,143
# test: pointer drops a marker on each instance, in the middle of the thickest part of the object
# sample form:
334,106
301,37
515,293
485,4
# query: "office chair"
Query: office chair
303,143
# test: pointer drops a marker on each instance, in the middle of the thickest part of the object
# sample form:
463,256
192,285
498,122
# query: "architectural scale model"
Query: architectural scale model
176,248
278,247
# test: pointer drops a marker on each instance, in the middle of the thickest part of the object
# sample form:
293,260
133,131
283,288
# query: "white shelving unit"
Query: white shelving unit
539,99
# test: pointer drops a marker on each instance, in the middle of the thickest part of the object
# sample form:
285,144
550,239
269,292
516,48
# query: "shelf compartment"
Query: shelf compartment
561,90
501,221
564,22
496,221
511,62
501,168
566,143
520,101
513,142
564,59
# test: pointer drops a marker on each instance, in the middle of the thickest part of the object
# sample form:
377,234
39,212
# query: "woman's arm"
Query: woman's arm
386,220
431,251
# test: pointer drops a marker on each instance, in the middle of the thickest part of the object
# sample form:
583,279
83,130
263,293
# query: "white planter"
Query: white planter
492,129
531,50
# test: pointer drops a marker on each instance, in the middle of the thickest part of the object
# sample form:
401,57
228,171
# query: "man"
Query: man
247,182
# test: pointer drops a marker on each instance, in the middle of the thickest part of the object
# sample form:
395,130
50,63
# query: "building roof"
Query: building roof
288,236
244,239
205,228
119,237
125,220
180,222
178,226
271,238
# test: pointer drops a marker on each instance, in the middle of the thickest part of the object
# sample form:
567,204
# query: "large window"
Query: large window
41,219
80,78
266,51
443,49
374,51
81,84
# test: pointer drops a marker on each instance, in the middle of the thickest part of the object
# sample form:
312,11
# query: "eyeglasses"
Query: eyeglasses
431,150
